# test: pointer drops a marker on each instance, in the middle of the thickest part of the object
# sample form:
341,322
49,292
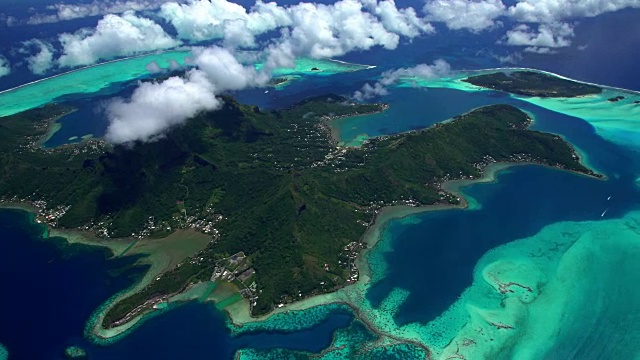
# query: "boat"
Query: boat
604,212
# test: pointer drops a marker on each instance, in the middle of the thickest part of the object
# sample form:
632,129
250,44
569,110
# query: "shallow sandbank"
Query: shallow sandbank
161,255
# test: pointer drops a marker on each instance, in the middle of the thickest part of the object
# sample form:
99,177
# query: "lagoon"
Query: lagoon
428,270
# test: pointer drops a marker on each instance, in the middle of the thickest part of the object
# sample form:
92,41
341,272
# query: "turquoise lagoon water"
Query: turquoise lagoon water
89,89
92,80
439,273
430,272
54,289
106,78
435,274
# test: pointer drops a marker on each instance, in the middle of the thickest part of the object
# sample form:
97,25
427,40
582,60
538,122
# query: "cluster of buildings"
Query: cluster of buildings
206,226
486,161
335,157
237,269
50,216
44,214
348,255
86,146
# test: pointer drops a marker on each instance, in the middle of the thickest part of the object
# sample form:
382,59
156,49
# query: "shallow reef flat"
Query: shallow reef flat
564,291
4,353
616,120
85,80
97,78
489,176
326,67
159,254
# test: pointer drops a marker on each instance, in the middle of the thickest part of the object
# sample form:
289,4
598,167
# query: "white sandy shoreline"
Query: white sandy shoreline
549,73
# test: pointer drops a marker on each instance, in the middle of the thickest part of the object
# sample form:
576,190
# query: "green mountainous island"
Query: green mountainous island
283,206
533,83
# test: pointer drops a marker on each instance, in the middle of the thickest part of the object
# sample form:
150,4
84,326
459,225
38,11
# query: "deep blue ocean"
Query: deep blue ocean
51,289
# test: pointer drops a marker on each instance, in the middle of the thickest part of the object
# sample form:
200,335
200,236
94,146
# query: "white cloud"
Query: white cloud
539,50
545,36
512,58
202,20
369,91
549,11
477,15
9,20
156,107
316,29
174,65
225,71
400,21
154,68
439,69
325,31
472,15
5,68
306,29
41,58
114,36
66,11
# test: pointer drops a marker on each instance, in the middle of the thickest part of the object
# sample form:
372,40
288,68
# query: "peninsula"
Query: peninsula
533,83
284,206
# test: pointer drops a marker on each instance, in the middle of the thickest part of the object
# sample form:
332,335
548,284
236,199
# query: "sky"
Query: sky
64,35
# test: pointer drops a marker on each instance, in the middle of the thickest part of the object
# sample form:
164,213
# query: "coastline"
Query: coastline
465,72
364,66
372,236
72,236
238,311
158,254
176,50
53,126
335,131
239,314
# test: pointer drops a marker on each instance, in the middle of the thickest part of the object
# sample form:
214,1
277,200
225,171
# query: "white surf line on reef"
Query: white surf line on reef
366,67
637,92
92,66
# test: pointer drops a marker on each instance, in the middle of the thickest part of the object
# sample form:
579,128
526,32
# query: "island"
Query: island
75,353
533,83
284,207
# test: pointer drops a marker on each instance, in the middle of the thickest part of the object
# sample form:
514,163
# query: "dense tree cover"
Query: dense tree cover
285,202
532,83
